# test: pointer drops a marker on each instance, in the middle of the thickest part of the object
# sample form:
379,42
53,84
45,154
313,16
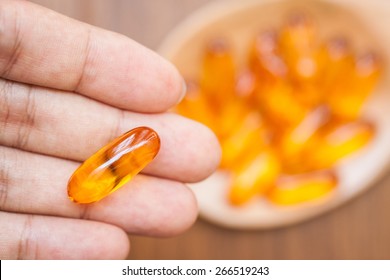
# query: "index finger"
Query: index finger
41,47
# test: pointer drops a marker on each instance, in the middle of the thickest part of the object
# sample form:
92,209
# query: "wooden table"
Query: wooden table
358,230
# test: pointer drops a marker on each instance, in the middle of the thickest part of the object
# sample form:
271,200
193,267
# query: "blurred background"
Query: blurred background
360,229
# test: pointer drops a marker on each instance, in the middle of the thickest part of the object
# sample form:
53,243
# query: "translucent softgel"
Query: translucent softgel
113,165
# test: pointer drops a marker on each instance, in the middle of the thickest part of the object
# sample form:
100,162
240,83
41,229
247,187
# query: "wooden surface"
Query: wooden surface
358,230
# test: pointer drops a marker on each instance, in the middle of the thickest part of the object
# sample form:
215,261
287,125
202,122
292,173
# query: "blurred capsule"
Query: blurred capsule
293,141
253,177
279,105
368,70
348,97
196,106
298,44
298,34
246,139
337,62
273,93
217,77
265,59
230,116
296,189
336,141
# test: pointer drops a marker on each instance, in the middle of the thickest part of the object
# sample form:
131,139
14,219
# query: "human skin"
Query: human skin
67,89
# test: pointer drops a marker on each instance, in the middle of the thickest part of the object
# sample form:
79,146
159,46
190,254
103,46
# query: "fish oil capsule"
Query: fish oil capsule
218,72
231,115
247,138
295,189
298,44
279,105
368,70
336,141
337,62
113,165
292,142
265,59
254,177
298,35
196,106
347,99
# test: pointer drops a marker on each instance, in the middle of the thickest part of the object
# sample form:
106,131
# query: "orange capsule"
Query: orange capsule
231,116
336,141
113,165
367,74
196,106
265,59
298,44
279,105
337,63
292,142
296,189
368,70
247,138
253,177
298,34
348,96
218,72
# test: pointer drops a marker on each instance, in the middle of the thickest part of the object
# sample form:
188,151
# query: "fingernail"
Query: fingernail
183,91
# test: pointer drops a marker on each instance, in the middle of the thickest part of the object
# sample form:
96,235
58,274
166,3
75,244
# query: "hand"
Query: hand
67,89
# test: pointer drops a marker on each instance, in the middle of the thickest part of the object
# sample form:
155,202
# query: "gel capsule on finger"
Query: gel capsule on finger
113,165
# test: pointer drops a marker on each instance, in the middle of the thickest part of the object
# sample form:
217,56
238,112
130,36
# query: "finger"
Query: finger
39,237
71,126
41,47
36,184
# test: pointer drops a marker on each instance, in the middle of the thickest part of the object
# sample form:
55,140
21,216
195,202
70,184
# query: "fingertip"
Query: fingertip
190,151
155,85
183,212
173,88
117,248
215,149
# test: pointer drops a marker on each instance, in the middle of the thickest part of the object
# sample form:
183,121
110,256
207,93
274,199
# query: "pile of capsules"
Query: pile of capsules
288,118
